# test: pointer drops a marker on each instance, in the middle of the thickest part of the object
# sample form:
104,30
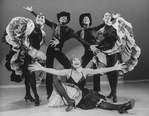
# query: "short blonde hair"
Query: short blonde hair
75,56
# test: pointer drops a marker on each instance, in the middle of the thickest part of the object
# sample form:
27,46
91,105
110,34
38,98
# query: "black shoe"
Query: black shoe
48,97
36,103
126,106
110,95
29,97
71,105
115,98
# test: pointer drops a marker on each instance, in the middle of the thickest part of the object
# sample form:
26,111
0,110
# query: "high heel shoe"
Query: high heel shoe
110,95
115,98
71,104
29,98
36,103
126,106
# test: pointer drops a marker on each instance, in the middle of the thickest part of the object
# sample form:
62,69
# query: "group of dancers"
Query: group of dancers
110,46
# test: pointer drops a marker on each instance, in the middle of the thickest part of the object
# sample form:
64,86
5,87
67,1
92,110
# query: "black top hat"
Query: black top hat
84,15
63,13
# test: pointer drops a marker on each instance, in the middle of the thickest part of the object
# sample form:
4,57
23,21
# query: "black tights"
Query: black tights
86,58
30,81
60,89
61,58
102,105
112,76
109,106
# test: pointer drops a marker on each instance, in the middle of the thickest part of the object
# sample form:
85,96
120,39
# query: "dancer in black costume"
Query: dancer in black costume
88,33
82,97
119,45
109,41
61,33
25,39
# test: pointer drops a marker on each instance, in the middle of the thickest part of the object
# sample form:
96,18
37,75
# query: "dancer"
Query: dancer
61,33
80,96
88,33
111,59
118,45
25,39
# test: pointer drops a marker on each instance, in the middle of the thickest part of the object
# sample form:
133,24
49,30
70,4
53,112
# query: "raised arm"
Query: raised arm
105,70
47,22
99,26
30,9
37,67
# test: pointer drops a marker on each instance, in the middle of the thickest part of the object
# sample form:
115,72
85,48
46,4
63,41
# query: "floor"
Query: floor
12,102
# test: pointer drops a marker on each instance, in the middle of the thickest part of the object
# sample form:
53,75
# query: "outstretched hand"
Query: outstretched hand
35,67
121,66
54,42
94,49
28,8
116,15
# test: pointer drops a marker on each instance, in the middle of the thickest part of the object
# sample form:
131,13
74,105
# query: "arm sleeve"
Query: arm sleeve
35,14
47,22
99,27
78,33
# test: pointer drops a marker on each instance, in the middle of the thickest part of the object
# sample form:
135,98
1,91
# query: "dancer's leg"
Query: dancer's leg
62,92
32,79
66,63
86,58
61,89
27,88
108,106
113,76
61,57
49,77
122,108
96,80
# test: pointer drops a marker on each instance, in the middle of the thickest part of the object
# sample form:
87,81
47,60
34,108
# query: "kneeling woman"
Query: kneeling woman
73,92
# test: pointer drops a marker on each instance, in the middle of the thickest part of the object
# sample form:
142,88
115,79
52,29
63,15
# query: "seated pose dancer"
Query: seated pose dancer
78,95
61,33
25,39
119,45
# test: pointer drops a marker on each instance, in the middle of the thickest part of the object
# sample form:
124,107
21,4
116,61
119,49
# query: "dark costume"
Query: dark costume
84,98
110,38
118,46
89,35
24,38
62,33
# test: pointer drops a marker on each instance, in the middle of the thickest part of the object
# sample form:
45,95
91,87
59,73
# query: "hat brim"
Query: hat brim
84,15
63,13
